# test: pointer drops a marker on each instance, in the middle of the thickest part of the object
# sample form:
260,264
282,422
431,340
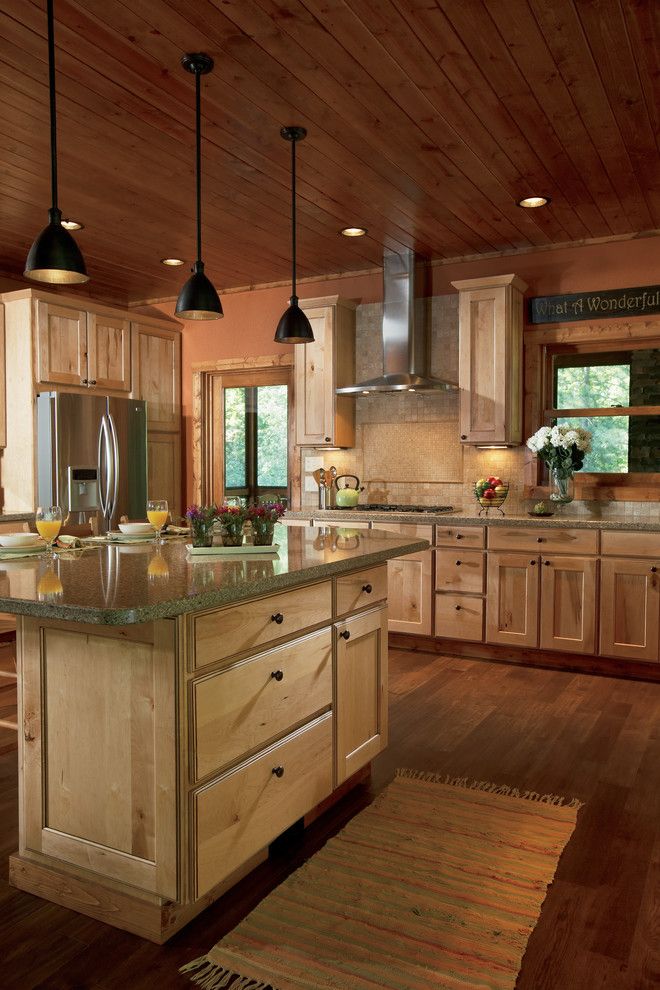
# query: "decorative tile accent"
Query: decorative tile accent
411,452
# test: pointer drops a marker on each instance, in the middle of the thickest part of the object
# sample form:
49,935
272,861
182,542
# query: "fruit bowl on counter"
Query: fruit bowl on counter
491,493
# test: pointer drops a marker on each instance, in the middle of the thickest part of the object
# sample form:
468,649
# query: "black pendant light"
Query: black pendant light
198,299
294,327
54,256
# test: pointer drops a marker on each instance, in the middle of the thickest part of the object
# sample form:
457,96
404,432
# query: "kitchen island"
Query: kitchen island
177,715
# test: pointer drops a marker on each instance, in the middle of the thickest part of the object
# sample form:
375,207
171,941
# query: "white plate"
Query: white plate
137,529
246,548
23,551
15,540
115,537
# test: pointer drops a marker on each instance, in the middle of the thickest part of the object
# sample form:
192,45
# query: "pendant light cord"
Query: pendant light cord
293,217
198,130
53,109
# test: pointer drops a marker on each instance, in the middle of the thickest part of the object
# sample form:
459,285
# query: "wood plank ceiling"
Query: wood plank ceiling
427,120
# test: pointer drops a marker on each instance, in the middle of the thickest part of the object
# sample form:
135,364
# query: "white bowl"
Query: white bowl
19,539
137,529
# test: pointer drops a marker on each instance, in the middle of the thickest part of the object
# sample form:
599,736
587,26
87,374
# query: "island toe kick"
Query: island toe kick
159,760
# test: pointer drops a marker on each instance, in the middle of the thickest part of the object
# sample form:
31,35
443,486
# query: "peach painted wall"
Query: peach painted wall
251,317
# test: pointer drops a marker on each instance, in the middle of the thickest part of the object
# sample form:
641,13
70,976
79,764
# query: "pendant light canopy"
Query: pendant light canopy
198,299
294,327
54,256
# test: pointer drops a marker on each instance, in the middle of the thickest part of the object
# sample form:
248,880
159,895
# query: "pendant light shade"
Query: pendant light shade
294,327
198,299
54,256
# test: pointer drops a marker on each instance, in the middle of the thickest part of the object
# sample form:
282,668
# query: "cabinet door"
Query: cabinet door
361,694
164,469
61,344
314,383
568,604
109,352
158,360
512,599
629,608
410,583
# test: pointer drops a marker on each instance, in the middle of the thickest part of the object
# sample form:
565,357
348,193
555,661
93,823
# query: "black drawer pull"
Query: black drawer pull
459,536
457,607
345,634
546,563
367,589
539,539
653,569
278,771
278,675
278,618
458,563
532,563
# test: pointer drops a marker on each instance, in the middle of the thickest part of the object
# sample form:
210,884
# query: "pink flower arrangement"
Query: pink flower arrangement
265,512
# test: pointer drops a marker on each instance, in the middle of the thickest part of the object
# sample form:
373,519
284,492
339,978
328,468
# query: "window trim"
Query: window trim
540,345
251,446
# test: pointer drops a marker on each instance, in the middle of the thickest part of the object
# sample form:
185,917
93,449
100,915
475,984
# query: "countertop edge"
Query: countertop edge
344,516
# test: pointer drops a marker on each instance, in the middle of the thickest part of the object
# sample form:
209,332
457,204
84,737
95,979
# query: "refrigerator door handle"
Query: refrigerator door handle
115,468
104,446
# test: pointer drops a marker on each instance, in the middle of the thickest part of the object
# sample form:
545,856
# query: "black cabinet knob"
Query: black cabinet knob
463,436
532,563
459,536
653,569
546,563
84,381
92,381
328,439
457,607
278,618
345,634
278,771
458,563
277,675
367,589
539,539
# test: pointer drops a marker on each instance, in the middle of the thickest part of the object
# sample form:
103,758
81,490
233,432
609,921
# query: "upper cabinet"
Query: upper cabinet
157,363
490,359
323,418
78,347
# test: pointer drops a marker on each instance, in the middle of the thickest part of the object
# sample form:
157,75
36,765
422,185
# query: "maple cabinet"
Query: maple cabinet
490,359
157,362
630,608
410,583
164,469
323,418
512,599
568,604
81,348
361,700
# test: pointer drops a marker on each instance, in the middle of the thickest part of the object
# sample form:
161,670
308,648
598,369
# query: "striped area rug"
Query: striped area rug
437,885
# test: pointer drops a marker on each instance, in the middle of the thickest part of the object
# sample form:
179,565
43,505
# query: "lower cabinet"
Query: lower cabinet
568,604
410,584
512,599
361,691
629,608
459,617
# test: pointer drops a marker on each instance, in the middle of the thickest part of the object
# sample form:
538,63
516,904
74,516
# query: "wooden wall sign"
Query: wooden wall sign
640,301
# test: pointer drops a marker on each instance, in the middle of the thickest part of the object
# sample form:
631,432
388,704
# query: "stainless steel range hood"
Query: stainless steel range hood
406,334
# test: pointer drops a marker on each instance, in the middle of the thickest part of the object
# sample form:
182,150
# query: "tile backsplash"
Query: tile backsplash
407,446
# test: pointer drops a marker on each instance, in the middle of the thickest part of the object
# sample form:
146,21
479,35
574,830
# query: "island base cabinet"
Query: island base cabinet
361,691
629,609
245,809
568,604
512,599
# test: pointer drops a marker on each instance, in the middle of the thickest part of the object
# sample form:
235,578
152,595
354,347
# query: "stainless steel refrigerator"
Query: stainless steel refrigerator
92,456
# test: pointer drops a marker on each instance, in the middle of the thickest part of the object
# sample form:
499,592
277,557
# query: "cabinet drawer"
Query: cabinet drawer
364,588
542,539
459,617
472,537
247,808
458,570
241,628
627,544
241,708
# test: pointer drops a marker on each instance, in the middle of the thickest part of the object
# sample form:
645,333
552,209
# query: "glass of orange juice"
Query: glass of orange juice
157,513
48,520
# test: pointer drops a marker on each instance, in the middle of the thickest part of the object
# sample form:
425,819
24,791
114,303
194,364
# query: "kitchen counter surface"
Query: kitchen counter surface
470,518
123,584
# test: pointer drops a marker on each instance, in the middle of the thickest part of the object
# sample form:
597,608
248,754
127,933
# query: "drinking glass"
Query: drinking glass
48,520
157,513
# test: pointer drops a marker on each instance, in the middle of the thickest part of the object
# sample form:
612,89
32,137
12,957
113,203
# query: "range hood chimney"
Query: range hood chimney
406,336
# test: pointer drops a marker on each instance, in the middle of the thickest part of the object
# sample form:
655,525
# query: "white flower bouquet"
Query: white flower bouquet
562,448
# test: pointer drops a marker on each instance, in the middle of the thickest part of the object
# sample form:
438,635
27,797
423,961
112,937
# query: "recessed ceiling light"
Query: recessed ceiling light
172,262
72,225
353,231
532,202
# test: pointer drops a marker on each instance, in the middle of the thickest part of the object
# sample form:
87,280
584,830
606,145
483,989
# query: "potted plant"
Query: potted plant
563,449
263,517
202,519
233,519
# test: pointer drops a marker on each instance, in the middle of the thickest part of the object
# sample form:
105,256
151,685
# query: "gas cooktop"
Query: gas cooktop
393,507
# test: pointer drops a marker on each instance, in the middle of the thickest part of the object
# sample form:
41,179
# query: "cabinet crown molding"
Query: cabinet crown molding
320,302
491,282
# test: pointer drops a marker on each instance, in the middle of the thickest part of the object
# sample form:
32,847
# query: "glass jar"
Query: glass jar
263,531
563,486
201,531
232,533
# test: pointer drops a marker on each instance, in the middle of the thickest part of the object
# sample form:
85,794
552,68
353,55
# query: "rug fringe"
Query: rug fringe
213,976
472,784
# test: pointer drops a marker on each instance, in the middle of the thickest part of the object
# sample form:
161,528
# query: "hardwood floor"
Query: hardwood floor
595,738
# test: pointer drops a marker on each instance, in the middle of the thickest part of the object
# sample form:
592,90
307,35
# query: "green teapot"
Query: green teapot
347,497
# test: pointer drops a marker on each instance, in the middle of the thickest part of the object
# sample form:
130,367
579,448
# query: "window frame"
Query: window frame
251,489
540,346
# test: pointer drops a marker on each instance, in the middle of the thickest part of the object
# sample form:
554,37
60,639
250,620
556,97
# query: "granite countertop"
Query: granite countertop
122,584
16,517
460,517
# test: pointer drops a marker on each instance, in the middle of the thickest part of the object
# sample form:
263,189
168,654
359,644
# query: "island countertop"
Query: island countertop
121,584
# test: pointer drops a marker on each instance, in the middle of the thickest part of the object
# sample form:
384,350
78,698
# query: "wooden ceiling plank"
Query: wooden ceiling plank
566,40
606,33
643,24
520,33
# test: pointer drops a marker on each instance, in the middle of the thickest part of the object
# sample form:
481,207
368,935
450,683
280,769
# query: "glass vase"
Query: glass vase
201,532
232,533
563,487
263,531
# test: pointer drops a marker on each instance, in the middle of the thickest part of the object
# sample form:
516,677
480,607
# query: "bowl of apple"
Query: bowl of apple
491,493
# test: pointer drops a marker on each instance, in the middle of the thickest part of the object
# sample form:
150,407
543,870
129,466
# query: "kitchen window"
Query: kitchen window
256,441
